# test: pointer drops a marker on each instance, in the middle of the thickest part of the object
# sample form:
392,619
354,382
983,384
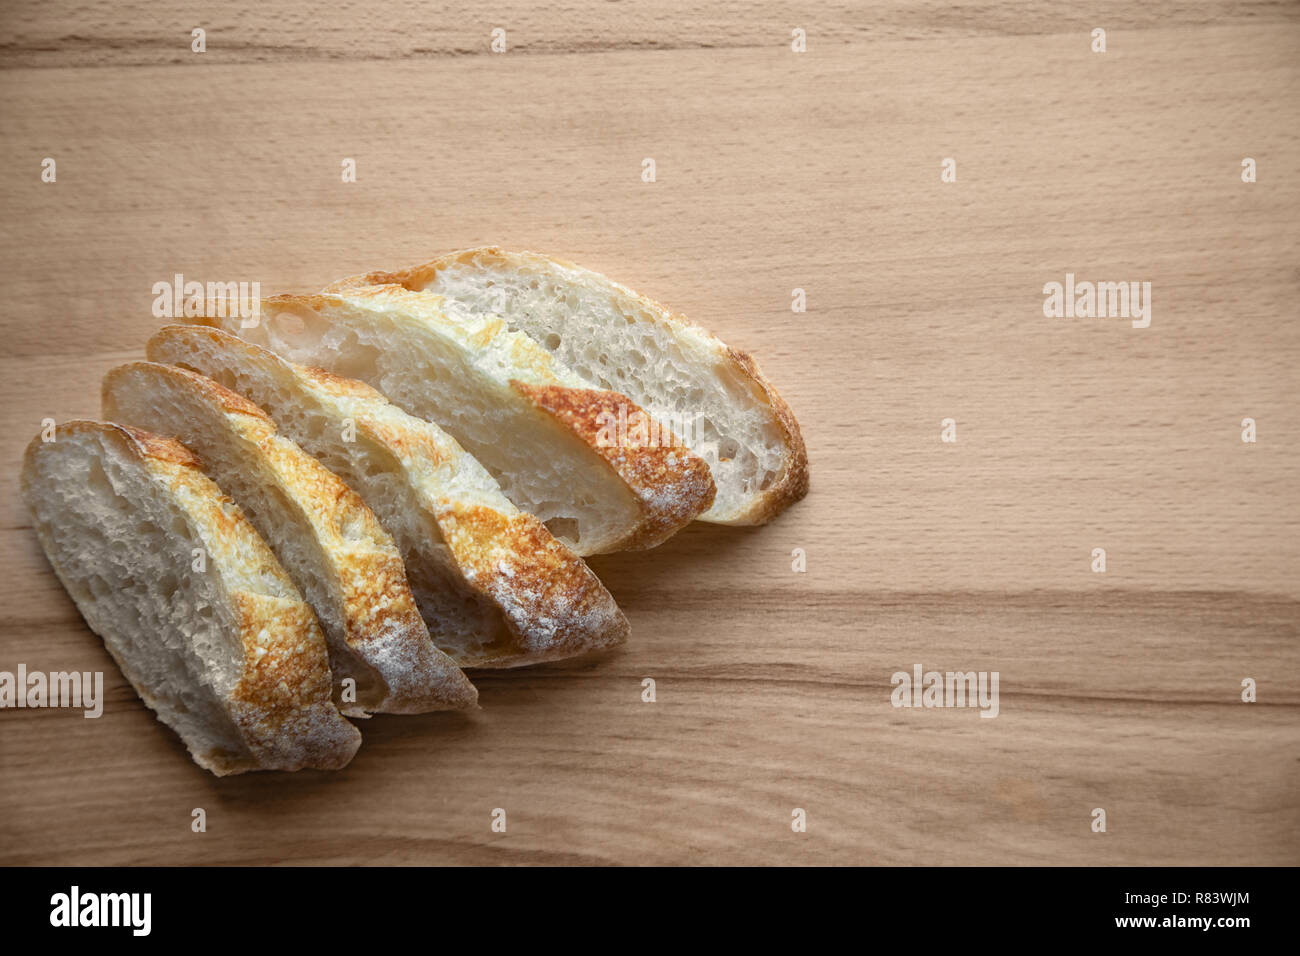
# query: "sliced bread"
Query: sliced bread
495,587
328,541
189,600
712,396
538,429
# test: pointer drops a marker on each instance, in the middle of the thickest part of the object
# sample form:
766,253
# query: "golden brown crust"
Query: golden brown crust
312,300
283,702
359,282
552,602
672,484
375,596
413,278
141,444
405,443
159,448
338,385
283,656
794,483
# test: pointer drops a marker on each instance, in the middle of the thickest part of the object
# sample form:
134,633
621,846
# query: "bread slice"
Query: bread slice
712,396
327,539
537,428
188,599
496,589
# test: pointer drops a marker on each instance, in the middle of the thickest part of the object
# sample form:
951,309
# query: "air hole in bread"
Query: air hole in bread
98,480
566,528
357,360
315,426
287,324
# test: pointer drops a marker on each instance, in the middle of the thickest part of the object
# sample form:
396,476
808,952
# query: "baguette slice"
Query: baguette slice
496,589
537,428
223,650
712,396
327,539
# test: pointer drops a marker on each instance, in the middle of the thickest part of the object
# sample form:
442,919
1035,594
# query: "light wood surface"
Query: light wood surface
775,170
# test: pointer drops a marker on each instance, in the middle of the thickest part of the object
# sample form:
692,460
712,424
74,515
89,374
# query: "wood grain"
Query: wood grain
776,170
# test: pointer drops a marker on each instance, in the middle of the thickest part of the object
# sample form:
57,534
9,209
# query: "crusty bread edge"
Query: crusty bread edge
669,495
793,485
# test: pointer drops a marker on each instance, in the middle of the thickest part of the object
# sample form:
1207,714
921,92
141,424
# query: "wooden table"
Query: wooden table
776,170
